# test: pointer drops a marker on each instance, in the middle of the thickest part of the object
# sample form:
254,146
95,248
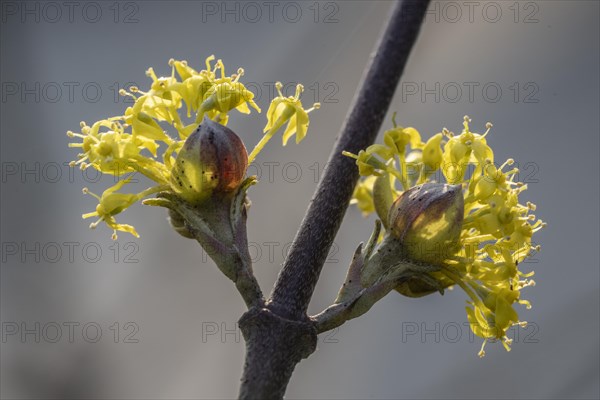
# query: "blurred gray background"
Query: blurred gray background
153,318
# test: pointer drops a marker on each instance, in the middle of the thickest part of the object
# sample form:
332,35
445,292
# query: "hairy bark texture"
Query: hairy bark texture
280,334
274,346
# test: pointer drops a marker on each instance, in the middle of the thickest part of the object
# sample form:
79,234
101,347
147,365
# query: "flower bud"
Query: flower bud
213,160
427,220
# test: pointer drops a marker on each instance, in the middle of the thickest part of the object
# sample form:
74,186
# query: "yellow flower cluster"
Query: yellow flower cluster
497,230
154,129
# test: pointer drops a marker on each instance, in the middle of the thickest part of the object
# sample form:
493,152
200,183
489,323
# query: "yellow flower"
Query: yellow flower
193,85
226,94
493,179
432,152
289,110
459,151
492,319
110,204
373,160
145,126
201,92
281,111
150,136
161,101
363,195
117,152
494,237
398,138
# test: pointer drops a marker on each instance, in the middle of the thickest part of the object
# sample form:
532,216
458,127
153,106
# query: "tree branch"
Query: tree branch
301,270
220,228
280,334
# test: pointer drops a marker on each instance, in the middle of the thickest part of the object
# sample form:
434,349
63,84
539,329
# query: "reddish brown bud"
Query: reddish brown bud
213,160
